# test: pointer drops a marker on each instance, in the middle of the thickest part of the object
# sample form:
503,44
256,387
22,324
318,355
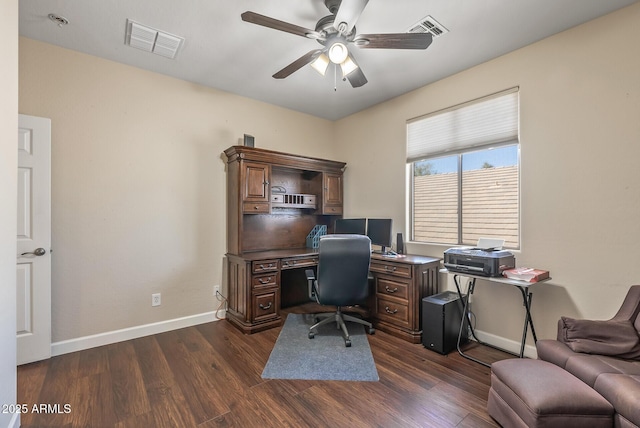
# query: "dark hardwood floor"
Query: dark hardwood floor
209,376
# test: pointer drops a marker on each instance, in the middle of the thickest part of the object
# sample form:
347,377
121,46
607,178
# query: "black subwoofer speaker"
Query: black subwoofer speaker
441,319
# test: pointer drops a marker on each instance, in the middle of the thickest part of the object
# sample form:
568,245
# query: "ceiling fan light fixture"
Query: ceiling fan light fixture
338,53
320,64
348,66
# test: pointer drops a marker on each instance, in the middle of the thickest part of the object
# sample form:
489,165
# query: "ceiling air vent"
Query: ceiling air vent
428,25
152,40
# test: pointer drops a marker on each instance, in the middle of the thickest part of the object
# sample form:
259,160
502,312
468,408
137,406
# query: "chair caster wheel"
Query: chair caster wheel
311,335
372,330
347,343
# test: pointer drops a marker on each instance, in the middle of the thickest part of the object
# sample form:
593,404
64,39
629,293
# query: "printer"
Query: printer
478,261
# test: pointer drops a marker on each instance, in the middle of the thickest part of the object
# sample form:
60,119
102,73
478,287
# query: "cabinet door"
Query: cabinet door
332,194
255,187
255,182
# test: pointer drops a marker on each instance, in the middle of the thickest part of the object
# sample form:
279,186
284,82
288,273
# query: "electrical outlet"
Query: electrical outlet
216,290
156,299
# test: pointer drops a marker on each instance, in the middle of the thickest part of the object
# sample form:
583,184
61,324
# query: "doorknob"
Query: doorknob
36,252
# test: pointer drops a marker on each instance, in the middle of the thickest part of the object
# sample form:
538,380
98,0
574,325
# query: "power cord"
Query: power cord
224,304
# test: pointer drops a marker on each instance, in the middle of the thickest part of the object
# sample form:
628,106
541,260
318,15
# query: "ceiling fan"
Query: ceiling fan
335,33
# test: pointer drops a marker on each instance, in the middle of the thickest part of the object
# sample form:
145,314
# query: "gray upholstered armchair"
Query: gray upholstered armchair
342,280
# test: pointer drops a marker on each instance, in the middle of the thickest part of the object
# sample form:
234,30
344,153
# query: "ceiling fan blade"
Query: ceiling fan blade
298,64
393,41
348,14
276,24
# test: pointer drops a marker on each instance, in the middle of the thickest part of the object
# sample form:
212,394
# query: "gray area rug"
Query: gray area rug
325,357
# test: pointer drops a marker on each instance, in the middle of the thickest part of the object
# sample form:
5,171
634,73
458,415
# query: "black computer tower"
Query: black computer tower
441,319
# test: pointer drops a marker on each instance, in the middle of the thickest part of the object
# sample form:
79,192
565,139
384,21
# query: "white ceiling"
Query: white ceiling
224,52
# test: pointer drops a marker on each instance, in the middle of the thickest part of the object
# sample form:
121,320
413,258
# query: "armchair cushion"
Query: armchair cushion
611,337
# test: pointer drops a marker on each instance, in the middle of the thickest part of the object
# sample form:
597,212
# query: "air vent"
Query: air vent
428,25
151,40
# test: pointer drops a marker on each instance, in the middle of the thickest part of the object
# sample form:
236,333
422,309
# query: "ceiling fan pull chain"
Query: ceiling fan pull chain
335,78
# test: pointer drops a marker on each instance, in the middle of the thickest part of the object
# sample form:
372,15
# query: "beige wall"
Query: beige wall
138,184
580,181
8,204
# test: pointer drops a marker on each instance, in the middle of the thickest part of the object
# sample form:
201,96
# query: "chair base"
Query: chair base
339,318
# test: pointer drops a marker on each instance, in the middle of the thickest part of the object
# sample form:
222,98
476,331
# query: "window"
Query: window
465,165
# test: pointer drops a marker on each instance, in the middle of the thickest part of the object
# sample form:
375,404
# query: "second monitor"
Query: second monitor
379,230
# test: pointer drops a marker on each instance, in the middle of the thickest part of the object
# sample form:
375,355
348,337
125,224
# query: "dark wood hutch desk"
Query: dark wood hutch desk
266,243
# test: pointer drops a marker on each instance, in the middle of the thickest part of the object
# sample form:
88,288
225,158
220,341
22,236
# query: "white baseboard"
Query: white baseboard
109,337
507,344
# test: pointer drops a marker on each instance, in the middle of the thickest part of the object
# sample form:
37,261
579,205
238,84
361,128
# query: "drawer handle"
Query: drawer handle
263,307
389,311
256,208
392,268
264,281
388,290
269,266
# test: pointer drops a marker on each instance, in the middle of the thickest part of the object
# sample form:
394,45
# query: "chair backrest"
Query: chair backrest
343,269
630,308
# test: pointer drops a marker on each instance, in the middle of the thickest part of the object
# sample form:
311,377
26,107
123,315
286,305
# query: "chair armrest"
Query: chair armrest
630,308
609,337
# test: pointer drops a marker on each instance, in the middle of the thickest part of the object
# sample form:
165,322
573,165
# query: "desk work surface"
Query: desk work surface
498,279
305,252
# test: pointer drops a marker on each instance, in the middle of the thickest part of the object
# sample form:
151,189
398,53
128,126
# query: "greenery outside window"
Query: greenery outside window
465,165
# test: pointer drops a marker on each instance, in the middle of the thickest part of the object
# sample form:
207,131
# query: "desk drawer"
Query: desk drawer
265,266
256,208
265,305
392,312
333,210
266,280
391,268
391,287
297,262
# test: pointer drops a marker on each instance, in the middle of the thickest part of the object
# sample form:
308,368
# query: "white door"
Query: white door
33,279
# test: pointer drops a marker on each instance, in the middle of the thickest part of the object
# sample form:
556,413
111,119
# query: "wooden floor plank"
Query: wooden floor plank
94,401
196,387
58,389
210,376
128,389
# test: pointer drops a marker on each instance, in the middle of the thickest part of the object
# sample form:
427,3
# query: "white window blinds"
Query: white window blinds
492,119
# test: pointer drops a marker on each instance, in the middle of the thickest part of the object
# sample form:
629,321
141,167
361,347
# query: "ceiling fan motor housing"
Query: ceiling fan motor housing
333,5
327,30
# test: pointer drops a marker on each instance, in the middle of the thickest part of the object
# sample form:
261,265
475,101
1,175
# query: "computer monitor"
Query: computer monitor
351,225
379,230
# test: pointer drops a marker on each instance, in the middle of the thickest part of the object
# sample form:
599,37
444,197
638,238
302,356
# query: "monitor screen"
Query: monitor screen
379,230
351,225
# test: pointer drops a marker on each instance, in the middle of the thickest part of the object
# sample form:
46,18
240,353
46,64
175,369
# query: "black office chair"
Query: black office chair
343,279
